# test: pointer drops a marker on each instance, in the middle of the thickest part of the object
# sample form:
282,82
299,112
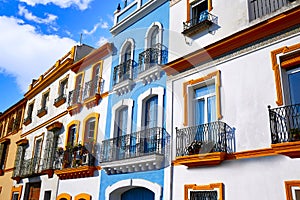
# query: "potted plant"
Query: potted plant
295,134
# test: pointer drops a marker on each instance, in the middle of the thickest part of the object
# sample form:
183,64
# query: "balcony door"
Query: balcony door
121,131
37,155
294,85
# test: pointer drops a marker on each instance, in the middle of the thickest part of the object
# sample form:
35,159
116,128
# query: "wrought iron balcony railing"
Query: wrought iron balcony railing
205,19
27,168
74,97
123,72
142,143
285,123
16,124
205,138
260,8
153,56
73,157
91,88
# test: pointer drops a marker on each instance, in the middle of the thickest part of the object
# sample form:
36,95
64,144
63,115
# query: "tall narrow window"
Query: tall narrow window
154,40
294,85
72,135
29,111
10,125
78,87
3,154
1,130
204,104
150,119
95,88
45,98
121,124
63,87
37,154
90,130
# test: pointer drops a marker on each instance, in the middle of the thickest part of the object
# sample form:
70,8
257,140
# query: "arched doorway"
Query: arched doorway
139,193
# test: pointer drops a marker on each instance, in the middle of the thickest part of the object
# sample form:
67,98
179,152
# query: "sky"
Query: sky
34,34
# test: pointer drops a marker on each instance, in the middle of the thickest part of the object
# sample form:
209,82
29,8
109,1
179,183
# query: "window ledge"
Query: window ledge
59,102
193,30
142,163
290,149
42,113
92,101
1,172
74,109
208,159
27,121
151,74
73,173
123,87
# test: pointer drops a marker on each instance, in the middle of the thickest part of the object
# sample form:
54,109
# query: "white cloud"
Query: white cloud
101,41
81,4
102,24
29,16
27,54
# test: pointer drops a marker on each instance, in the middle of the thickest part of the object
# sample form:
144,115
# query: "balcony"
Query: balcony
74,101
260,8
27,120
122,77
41,112
285,130
74,162
139,151
205,144
27,168
91,93
198,24
150,62
61,99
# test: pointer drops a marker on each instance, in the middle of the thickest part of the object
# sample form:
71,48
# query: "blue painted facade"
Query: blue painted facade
136,32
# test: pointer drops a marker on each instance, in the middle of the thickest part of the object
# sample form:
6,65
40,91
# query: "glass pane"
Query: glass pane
294,83
151,112
205,90
211,109
123,121
199,111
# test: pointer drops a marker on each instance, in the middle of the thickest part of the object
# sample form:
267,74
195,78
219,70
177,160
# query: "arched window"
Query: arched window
154,37
72,135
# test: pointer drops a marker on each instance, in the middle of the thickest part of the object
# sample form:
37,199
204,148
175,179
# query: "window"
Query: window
3,154
154,38
292,190
72,135
90,129
32,191
204,104
29,111
202,100
37,154
10,125
198,11
15,196
63,87
121,123
212,191
47,195
45,98
293,78
96,80
150,118
78,87
1,130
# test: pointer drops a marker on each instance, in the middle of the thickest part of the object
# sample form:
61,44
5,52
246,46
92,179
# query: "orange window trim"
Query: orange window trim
213,186
188,8
16,189
212,75
276,68
64,196
288,188
83,196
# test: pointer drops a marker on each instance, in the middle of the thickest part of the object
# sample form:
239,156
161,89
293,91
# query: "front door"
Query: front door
138,194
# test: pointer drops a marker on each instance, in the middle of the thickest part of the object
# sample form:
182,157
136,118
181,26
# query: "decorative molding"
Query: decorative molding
18,190
289,187
54,126
92,101
44,124
73,173
91,115
290,149
74,122
64,196
83,196
285,64
197,160
214,75
214,186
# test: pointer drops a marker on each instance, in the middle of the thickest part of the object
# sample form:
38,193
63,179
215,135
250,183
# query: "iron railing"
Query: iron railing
145,142
260,8
285,123
211,137
153,56
30,167
204,16
74,97
123,71
91,88
16,124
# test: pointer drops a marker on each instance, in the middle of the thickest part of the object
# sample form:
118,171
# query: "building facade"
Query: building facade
134,156
234,100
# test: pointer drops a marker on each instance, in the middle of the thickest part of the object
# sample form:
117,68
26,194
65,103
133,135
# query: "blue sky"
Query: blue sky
36,33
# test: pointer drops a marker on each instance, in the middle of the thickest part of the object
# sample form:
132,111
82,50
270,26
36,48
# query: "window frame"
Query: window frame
62,92
290,187
16,190
29,112
149,34
187,95
77,124
45,99
219,187
190,3
91,115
